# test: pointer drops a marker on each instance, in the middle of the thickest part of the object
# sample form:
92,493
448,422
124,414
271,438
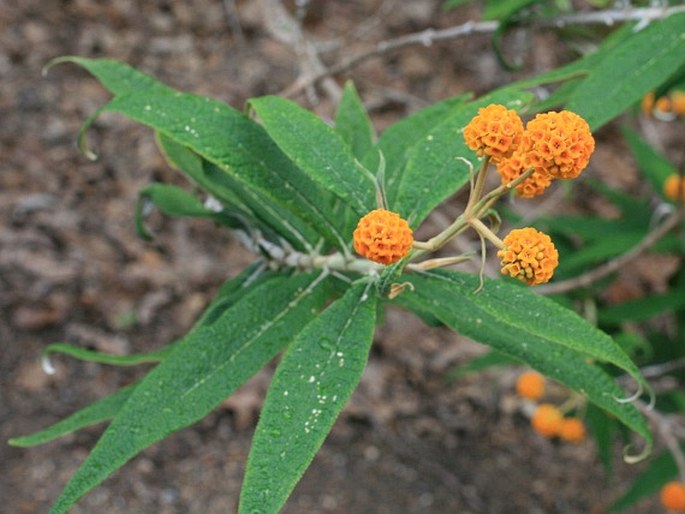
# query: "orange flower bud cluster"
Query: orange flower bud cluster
530,385
666,107
383,236
557,143
572,430
548,421
528,255
672,496
495,132
510,169
674,188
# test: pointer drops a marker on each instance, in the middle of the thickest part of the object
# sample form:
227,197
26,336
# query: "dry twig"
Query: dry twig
430,36
610,267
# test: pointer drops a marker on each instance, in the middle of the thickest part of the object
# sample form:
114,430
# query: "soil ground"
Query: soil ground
72,269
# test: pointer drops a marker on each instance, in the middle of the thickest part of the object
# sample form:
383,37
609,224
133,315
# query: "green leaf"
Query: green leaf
504,9
184,159
643,308
117,77
239,147
630,70
486,361
515,320
318,150
97,412
85,354
102,410
312,384
174,201
654,166
661,470
210,363
396,141
602,428
435,167
352,122
451,4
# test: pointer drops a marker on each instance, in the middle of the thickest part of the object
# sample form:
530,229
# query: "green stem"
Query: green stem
484,231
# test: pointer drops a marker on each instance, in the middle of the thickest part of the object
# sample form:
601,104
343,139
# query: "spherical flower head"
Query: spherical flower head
572,430
511,168
383,236
674,188
678,102
672,496
530,385
528,255
547,420
559,143
495,132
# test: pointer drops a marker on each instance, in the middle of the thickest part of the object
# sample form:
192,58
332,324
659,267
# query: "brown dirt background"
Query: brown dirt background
72,269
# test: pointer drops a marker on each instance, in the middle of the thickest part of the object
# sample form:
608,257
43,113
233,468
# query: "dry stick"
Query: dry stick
429,36
668,430
287,30
591,276
233,21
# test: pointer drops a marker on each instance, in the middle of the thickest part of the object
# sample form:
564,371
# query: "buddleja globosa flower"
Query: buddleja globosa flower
495,131
528,255
383,236
674,188
512,168
557,143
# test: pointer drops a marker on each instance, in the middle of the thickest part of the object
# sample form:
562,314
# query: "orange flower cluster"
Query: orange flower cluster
666,107
674,188
495,131
528,255
548,421
557,145
530,385
383,236
672,496
510,169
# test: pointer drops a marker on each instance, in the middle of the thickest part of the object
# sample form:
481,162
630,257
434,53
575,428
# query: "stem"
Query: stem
429,36
592,276
477,189
484,231
485,203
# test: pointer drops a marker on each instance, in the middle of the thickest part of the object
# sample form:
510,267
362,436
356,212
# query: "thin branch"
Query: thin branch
233,21
657,370
430,36
287,30
668,429
610,267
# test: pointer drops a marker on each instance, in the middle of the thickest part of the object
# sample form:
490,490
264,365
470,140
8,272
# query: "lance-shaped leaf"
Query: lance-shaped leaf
106,408
661,469
97,412
438,165
396,141
239,147
655,167
174,201
312,383
318,150
207,365
352,122
515,320
629,71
